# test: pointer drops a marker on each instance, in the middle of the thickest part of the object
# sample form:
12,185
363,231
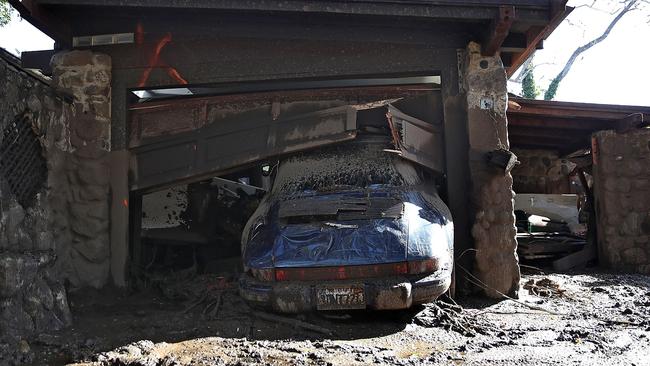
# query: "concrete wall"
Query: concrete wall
541,171
32,297
622,190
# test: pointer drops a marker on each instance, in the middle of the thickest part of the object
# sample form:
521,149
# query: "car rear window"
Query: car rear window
356,164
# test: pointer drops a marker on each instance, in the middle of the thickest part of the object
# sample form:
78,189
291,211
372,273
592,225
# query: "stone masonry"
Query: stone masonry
32,295
622,191
59,236
493,229
541,171
85,246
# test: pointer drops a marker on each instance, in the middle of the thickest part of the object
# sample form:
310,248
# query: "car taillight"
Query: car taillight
346,272
423,266
281,275
265,274
341,272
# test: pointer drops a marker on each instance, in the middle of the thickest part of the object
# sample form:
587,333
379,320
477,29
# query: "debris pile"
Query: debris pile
450,317
543,287
204,292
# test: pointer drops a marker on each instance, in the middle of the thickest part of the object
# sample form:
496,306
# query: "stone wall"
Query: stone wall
622,191
85,246
493,228
541,171
32,297
59,234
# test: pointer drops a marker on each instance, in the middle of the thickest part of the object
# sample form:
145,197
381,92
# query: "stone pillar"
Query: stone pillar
622,195
493,228
85,252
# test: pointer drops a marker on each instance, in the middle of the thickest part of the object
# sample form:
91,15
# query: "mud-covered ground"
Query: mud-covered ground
582,319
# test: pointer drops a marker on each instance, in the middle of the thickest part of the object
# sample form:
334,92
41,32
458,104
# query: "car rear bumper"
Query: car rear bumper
380,293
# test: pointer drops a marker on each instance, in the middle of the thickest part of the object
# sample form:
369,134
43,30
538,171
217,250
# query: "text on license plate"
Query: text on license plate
340,297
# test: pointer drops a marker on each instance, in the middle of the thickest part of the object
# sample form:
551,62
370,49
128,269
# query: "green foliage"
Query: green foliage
5,13
528,87
552,89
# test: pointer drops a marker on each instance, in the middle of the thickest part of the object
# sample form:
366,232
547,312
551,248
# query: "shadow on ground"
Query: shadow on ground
106,319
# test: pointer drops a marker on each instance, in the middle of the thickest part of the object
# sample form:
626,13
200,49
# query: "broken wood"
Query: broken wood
587,254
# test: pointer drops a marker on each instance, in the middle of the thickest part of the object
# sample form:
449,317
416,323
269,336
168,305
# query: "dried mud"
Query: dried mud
589,319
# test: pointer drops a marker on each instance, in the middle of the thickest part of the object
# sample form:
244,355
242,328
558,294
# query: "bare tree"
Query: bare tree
628,5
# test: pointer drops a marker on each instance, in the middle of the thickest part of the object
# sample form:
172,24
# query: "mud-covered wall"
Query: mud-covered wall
84,235
493,229
32,296
540,171
622,193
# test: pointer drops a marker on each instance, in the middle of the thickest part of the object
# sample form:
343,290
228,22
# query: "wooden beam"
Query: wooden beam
40,18
542,141
567,113
514,43
551,133
631,122
499,30
537,34
560,123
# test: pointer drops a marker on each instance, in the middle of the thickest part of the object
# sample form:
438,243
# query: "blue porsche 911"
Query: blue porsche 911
348,226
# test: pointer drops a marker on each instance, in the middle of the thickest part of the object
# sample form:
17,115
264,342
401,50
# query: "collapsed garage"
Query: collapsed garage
155,130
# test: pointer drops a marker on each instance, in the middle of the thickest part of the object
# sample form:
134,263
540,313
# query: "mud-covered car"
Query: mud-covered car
348,226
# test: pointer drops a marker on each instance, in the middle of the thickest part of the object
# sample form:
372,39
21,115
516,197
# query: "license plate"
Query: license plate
340,297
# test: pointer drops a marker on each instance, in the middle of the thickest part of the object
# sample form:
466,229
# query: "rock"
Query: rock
634,256
43,241
16,352
88,128
95,250
14,217
16,271
102,60
87,151
14,320
23,346
39,293
88,273
93,173
93,193
72,58
96,209
60,307
89,227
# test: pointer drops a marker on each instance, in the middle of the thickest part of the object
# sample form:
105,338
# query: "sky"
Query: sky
616,71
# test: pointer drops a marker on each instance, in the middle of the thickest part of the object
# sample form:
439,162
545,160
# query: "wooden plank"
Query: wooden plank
577,259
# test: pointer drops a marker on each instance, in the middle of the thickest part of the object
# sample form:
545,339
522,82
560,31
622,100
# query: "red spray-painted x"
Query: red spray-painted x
154,60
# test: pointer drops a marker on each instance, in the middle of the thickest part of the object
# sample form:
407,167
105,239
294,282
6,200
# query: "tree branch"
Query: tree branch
552,88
